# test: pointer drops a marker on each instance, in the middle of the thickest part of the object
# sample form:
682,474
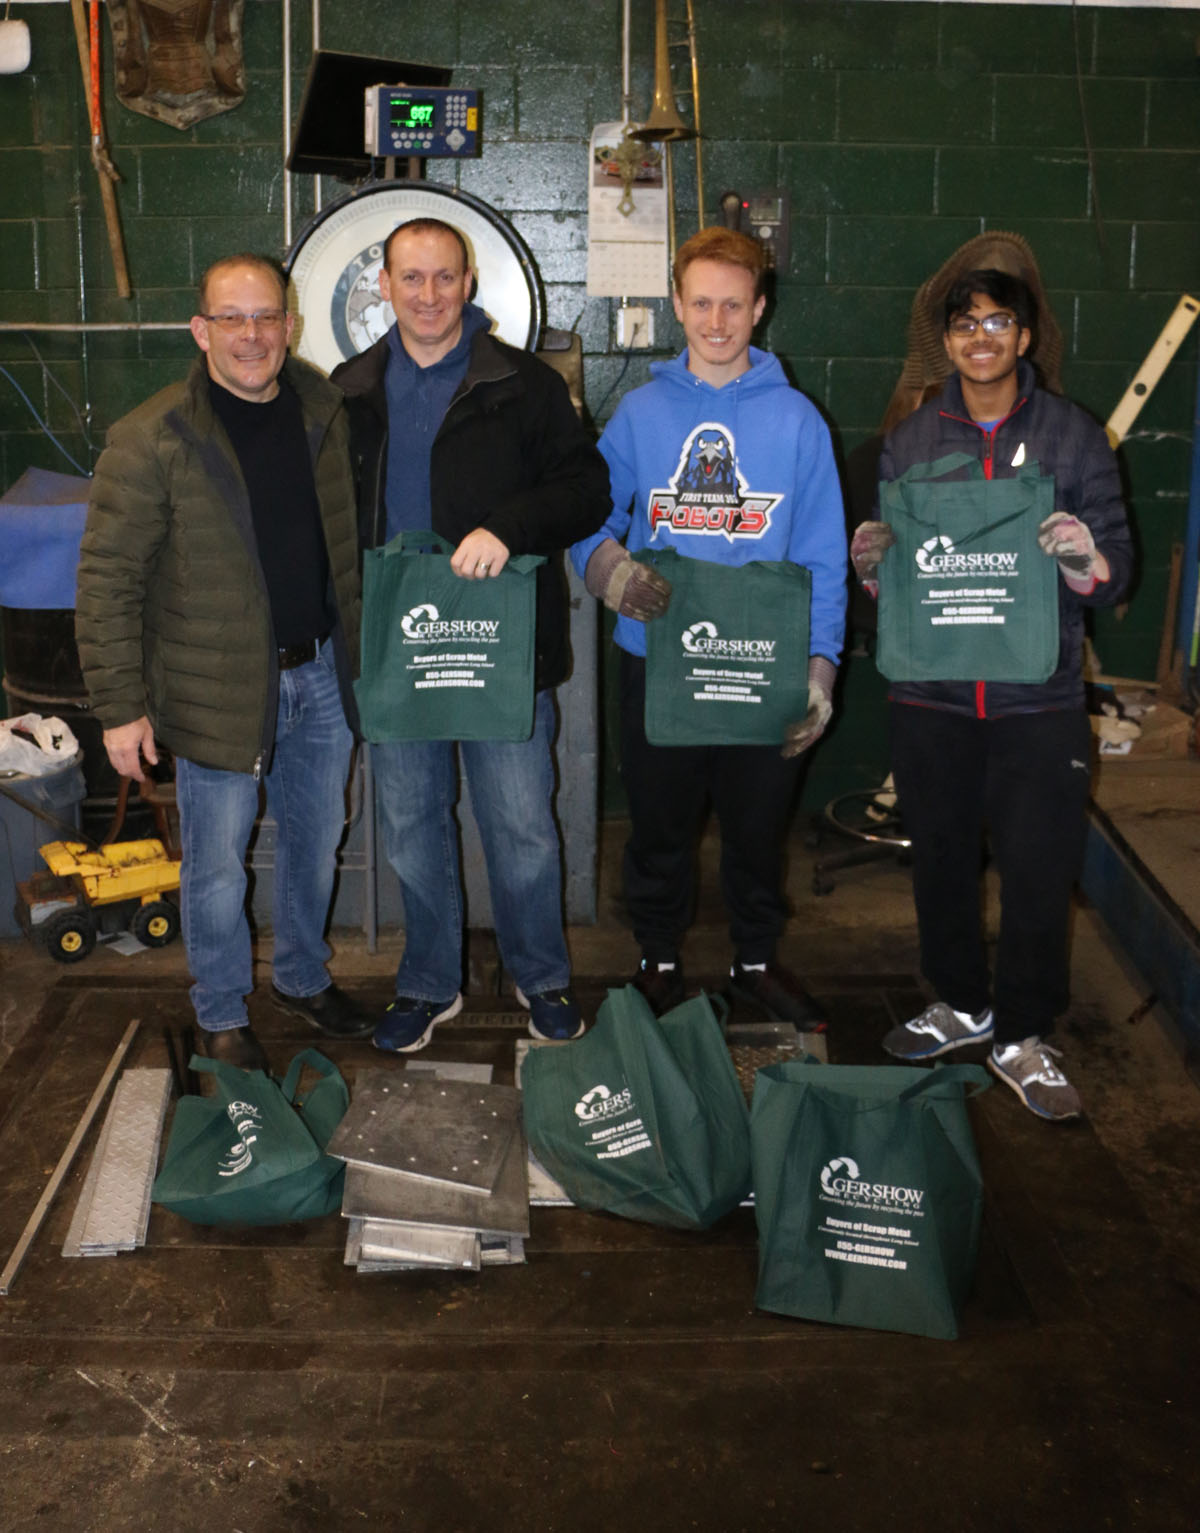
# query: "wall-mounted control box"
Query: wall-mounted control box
435,122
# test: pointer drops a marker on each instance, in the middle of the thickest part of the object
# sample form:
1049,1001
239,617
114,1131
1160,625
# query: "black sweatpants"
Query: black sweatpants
752,790
1024,777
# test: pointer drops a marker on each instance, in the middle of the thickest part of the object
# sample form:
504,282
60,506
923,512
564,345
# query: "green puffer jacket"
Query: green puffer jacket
172,617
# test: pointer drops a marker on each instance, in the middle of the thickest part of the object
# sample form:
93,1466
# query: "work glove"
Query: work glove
870,542
807,731
1070,541
625,586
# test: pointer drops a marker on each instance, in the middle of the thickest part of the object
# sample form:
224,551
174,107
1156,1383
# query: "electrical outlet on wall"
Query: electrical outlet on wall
635,326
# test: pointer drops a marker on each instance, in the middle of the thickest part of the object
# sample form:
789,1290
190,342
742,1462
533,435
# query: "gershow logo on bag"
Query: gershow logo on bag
247,1119
938,557
702,638
600,1103
708,493
842,1182
423,624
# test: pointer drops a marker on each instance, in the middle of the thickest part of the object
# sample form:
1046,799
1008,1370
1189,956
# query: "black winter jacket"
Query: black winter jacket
510,455
1068,444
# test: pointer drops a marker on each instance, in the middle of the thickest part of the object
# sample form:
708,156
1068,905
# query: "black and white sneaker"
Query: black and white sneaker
939,1030
1028,1068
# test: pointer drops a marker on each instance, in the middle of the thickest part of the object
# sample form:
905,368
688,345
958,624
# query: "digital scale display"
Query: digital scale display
409,116
430,121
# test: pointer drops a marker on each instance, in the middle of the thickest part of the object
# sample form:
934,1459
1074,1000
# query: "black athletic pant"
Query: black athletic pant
1026,778
752,790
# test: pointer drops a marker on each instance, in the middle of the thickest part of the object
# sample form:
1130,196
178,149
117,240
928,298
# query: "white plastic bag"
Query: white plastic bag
34,746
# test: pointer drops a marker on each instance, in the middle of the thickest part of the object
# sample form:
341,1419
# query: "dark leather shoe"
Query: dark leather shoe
662,985
776,991
330,1011
235,1046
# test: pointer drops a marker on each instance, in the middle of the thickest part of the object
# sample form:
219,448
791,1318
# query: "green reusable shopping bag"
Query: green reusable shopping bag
966,594
642,1116
445,658
867,1192
727,663
254,1152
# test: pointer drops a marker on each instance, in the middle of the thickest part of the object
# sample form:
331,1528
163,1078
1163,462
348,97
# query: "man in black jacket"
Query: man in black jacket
454,430
1013,756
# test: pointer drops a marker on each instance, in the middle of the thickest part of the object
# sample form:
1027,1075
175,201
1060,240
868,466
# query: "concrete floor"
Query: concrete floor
249,1381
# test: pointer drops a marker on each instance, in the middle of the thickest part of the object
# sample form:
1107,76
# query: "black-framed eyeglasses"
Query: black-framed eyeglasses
263,319
991,324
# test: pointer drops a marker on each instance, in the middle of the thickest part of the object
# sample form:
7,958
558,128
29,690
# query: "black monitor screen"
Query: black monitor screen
327,136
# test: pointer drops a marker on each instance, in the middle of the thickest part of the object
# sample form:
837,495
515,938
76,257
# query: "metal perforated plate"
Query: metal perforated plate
390,1195
453,1132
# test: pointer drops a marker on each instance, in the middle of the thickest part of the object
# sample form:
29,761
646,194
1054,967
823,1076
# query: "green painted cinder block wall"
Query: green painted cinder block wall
900,131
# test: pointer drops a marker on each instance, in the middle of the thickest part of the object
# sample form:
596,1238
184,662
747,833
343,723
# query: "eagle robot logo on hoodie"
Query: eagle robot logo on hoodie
707,493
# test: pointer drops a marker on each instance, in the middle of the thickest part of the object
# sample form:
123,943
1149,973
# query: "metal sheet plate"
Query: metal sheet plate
453,1132
390,1195
502,1253
449,1070
419,1245
544,1191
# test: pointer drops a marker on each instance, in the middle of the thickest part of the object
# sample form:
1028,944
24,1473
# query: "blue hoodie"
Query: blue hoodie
731,475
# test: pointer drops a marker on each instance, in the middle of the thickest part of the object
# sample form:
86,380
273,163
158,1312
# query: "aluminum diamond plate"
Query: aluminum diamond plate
117,1208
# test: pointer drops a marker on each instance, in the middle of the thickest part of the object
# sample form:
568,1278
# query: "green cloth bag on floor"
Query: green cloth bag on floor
254,1152
642,1116
444,658
867,1193
727,663
966,594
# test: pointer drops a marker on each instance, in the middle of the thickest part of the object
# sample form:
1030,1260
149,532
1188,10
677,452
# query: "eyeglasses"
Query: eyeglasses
991,324
262,319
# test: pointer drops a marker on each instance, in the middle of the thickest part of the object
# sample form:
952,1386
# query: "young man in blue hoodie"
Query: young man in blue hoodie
723,409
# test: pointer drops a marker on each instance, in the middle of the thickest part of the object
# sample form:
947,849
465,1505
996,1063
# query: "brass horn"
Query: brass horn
664,122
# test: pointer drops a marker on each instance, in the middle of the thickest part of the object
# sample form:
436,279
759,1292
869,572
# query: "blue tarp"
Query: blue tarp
41,523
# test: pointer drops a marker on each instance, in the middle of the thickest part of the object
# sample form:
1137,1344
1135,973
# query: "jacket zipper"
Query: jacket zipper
989,444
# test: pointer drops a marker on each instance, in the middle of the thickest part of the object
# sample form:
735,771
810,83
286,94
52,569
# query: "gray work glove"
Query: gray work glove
1070,541
870,542
625,586
807,731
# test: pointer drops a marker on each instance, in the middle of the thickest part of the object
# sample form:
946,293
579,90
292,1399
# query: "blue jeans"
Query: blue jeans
512,790
305,788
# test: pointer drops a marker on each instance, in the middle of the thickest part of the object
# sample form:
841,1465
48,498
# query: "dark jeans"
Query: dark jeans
752,789
1026,778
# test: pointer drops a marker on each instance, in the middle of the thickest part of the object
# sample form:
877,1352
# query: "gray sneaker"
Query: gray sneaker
1029,1068
939,1030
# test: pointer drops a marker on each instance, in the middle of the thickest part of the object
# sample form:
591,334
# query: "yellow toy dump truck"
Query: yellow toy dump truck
102,889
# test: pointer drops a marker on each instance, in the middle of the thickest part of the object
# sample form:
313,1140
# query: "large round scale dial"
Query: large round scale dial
334,268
